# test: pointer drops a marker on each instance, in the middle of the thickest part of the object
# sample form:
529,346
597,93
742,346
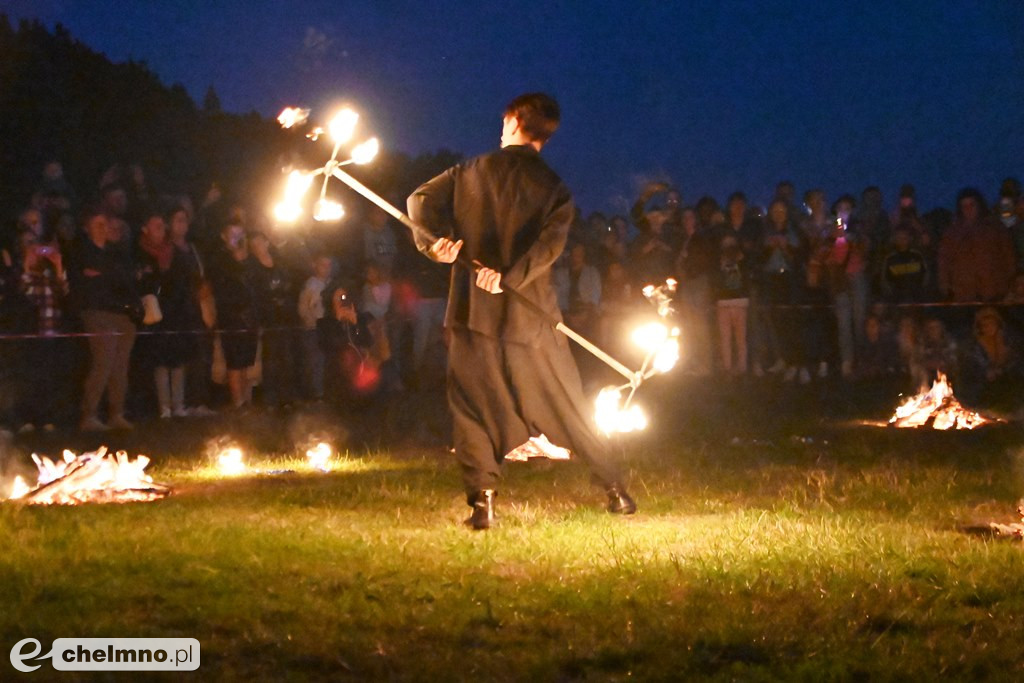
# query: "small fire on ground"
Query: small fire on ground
939,408
97,477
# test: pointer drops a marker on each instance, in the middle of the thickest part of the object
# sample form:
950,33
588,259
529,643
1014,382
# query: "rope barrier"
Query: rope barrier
142,332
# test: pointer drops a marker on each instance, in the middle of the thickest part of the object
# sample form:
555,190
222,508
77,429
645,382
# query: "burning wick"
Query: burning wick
319,457
293,116
342,126
230,462
613,417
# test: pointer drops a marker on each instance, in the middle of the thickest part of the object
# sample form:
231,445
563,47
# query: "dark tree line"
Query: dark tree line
61,100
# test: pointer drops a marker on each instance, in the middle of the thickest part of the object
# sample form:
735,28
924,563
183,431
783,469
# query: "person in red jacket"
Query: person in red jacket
976,261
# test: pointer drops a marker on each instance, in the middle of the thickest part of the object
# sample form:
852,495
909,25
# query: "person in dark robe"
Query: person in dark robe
510,375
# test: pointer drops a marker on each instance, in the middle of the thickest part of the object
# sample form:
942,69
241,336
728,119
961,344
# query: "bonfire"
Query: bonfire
97,477
939,407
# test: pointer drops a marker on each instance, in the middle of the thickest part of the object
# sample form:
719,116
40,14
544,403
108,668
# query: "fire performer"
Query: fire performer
510,375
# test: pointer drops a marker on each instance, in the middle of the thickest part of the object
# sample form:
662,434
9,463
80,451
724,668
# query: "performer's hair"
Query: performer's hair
538,114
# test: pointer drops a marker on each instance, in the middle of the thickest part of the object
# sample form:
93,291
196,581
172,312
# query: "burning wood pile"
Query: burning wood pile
1012,530
937,407
98,477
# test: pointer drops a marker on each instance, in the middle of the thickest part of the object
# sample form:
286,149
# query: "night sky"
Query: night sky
713,98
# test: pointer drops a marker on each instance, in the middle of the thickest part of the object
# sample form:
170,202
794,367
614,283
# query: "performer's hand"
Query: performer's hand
445,251
489,279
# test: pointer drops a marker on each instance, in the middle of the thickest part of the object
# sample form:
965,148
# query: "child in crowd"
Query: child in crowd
934,352
878,356
905,271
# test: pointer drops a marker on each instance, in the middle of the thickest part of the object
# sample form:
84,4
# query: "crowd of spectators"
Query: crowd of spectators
812,291
164,308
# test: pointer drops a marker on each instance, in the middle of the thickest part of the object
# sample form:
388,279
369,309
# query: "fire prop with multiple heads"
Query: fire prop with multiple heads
661,342
98,477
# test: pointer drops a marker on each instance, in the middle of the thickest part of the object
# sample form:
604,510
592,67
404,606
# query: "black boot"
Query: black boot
619,502
483,509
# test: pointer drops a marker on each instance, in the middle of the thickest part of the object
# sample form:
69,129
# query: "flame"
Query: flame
364,153
327,210
97,477
292,116
612,417
231,462
343,125
19,488
939,406
651,336
319,457
295,187
667,355
661,296
315,134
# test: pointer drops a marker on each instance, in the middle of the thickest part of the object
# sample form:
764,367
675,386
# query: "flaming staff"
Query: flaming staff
611,418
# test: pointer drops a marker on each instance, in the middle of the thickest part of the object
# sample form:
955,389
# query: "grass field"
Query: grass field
802,546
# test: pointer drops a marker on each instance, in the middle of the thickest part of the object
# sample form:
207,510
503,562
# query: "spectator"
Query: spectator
103,286
694,265
311,310
353,354
904,271
43,286
169,274
377,292
742,226
621,228
780,282
429,281
609,249
578,287
872,223
816,315
650,256
54,184
976,258
731,288
191,294
992,360
878,356
847,264
818,224
618,299
277,318
934,351
1011,221
786,192
237,314
114,206
379,243
906,217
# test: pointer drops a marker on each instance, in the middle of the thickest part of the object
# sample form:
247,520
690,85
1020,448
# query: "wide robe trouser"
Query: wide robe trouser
501,393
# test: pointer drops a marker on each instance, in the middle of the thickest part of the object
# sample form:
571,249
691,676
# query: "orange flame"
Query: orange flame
939,406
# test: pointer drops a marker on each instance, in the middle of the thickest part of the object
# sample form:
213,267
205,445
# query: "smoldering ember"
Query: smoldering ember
513,343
